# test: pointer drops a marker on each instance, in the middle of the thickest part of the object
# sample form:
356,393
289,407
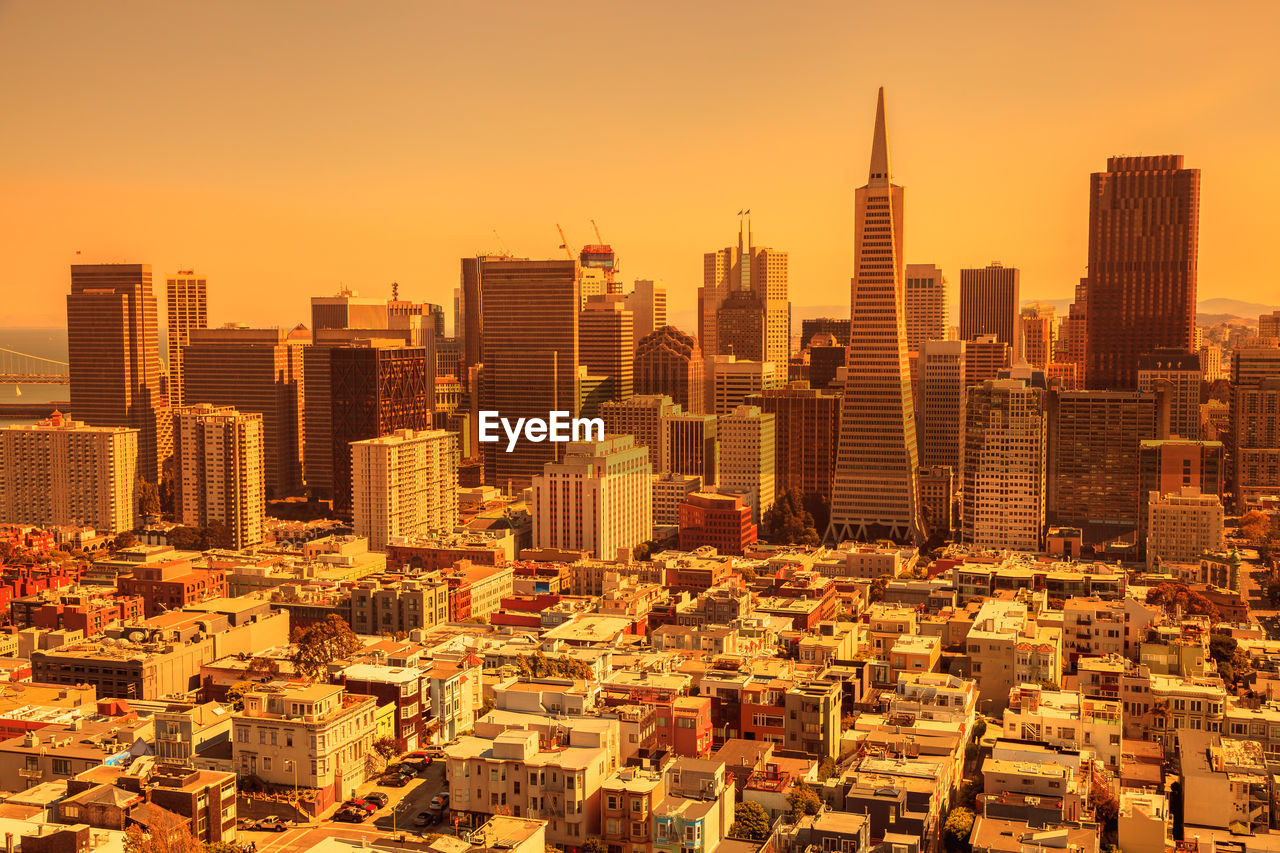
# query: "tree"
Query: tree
956,831
826,768
787,522
221,847
750,820
642,552
1255,525
321,643
148,497
168,833
125,540
594,845
386,748
802,801
235,694
187,538
1177,598
218,535
1105,805
875,592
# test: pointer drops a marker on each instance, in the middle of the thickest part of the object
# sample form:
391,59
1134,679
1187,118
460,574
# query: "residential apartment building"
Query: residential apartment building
404,484
219,475
60,472
598,498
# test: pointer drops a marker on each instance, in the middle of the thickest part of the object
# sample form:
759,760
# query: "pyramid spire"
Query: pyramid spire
879,175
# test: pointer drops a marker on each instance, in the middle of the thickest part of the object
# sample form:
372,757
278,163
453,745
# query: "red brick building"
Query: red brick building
172,585
721,521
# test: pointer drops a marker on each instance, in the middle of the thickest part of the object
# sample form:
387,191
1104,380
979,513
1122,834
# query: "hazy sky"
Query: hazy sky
286,148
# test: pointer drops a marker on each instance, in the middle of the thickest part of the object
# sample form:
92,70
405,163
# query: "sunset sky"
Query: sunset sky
287,148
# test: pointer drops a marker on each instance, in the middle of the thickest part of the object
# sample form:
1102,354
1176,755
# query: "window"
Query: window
61,767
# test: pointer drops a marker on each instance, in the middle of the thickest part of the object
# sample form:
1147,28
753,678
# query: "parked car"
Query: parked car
351,815
378,798
392,780
362,804
246,823
274,824
422,819
421,757
440,801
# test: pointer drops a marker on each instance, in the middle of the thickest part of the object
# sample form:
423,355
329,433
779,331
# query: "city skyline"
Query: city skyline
283,198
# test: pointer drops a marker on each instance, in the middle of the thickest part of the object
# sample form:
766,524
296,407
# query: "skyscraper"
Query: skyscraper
374,391
925,305
732,380
188,309
807,424
647,303
752,280
529,348
1178,372
1253,441
989,300
642,417
748,446
874,491
1003,504
670,362
606,343
1144,230
940,403
1036,332
255,370
114,354
404,484
218,472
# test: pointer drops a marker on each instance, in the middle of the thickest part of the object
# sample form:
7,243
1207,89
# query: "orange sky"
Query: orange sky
284,148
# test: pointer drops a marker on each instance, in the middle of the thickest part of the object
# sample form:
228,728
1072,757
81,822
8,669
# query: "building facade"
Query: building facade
404,484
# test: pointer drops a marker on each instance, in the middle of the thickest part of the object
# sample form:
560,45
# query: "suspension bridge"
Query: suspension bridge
20,368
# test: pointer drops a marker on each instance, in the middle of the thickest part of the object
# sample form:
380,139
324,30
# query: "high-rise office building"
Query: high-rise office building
925,305
188,308
404,484
874,489
692,445
1178,372
1036,330
806,429
1253,442
114,355
989,300
752,281
348,310
669,491
937,485
984,358
940,403
838,329
529,348
218,473
606,344
732,381
1144,231
1269,325
598,498
255,370
374,391
1003,481
1094,438
642,417
748,448
647,303
670,362
1073,337
63,472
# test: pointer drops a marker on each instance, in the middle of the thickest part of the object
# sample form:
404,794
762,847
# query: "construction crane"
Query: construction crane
564,242
505,252
599,239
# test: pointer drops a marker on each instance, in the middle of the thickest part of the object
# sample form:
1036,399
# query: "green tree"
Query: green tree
750,820
125,540
787,522
594,845
321,643
235,694
802,801
1105,805
826,768
642,551
221,847
875,592
957,829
